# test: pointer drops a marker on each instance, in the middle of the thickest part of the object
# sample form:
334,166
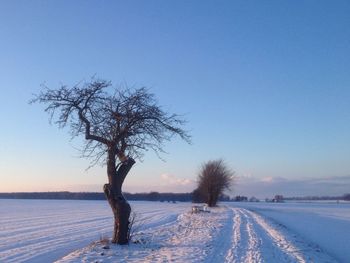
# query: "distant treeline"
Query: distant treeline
279,198
345,197
152,196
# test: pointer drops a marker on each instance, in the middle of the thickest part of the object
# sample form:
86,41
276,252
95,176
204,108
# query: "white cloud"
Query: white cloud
175,181
270,179
165,183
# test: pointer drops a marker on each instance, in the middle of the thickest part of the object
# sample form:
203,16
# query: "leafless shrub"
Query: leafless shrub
213,179
136,224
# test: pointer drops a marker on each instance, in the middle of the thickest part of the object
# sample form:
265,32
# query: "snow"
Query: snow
75,231
324,224
39,231
46,230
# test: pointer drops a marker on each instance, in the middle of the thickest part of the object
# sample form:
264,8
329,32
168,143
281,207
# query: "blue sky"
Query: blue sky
263,84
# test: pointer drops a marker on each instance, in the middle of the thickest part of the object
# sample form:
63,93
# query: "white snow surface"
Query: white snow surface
78,231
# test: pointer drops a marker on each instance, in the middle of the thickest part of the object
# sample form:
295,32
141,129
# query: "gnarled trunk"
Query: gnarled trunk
120,207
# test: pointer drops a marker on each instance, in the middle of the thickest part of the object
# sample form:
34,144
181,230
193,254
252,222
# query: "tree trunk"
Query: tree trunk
120,207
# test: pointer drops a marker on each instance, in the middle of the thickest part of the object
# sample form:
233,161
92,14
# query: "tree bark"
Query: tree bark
120,207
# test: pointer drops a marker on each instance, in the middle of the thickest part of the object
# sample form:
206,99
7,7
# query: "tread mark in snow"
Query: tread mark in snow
250,232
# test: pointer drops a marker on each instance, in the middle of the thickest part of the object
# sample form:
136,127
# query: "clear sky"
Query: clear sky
263,84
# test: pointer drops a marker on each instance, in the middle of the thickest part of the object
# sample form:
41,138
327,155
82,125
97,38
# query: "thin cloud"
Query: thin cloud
175,181
269,186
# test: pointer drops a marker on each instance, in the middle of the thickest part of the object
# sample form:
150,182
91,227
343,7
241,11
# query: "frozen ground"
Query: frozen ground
44,231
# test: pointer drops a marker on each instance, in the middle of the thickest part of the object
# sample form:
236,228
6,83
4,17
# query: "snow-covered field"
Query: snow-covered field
67,231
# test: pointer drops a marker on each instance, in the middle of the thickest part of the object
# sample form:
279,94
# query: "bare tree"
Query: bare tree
213,179
118,127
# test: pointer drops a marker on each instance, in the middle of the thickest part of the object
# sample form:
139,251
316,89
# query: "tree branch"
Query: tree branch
88,135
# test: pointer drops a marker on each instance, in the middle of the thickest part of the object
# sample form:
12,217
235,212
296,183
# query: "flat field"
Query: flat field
69,231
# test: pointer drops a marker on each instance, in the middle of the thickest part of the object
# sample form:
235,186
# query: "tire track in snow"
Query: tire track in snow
233,252
220,245
254,244
255,240
245,242
280,242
